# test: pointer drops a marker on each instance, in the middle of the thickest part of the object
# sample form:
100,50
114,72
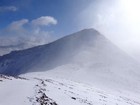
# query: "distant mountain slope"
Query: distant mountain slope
6,49
8,44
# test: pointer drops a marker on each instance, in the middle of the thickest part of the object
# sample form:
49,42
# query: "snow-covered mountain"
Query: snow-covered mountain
85,56
48,56
87,48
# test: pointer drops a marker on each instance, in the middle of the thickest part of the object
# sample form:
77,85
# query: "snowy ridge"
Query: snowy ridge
55,91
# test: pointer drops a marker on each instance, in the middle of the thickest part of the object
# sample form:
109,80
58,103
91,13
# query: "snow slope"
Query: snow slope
85,56
42,90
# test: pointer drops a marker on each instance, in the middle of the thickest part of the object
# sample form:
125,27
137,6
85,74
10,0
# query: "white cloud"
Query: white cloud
23,31
44,21
8,8
18,24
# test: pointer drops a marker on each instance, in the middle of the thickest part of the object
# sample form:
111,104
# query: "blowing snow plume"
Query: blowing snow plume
23,34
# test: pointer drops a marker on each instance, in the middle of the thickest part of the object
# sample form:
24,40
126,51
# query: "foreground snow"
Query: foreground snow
47,90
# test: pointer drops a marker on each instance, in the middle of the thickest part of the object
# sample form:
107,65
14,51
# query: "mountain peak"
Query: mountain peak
89,31
84,35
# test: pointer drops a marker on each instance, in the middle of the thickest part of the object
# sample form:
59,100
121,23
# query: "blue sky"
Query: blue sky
64,11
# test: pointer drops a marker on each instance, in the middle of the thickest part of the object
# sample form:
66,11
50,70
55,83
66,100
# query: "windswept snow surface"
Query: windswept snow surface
42,90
